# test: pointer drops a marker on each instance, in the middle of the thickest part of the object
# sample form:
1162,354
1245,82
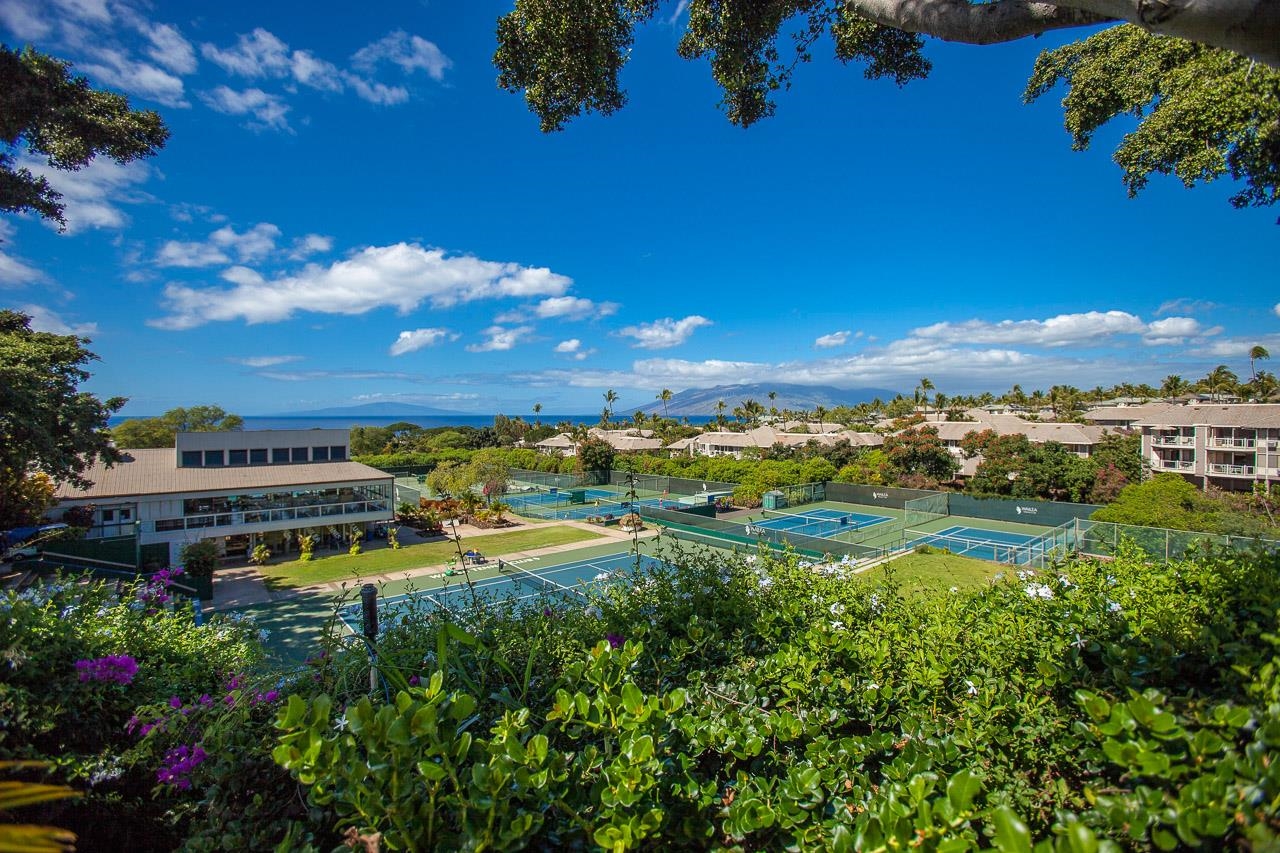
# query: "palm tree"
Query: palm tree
1220,379
773,399
720,413
922,392
1255,354
1265,385
821,413
665,396
610,397
639,418
537,410
1173,386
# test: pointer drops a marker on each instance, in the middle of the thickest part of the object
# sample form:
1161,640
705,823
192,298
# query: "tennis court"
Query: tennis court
577,504
558,585
820,523
1000,546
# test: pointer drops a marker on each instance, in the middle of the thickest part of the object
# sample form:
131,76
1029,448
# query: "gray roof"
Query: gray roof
1254,415
155,472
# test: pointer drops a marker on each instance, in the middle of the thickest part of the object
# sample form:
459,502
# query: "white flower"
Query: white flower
837,626
955,589
602,576
1113,606
1039,590
873,686
973,688
875,603
1065,581
594,612
765,583
837,609
263,635
1080,642
1111,580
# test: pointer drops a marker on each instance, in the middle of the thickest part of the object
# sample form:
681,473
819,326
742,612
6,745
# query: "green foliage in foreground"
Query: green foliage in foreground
748,703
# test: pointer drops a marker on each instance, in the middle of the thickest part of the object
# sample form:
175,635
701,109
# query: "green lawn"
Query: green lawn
385,560
933,571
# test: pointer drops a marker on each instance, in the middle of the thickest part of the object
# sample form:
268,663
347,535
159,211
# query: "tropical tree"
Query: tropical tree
720,413
161,431
1264,385
1173,386
1255,354
59,117
1206,98
610,397
922,393
537,411
47,424
1219,381
665,396
773,401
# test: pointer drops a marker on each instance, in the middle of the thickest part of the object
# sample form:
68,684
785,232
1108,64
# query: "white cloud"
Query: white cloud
23,19
325,375
835,339
311,244
91,195
1062,330
316,73
376,93
117,69
664,333
409,52
254,244
417,339
190,255
265,360
573,308
170,49
573,348
1183,305
400,276
1276,309
500,338
1174,330
14,272
268,110
256,54
44,320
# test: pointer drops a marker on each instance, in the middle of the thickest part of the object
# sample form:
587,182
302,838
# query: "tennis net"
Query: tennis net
1020,553
811,525
524,577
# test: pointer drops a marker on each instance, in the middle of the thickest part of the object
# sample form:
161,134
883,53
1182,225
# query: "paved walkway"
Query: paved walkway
242,586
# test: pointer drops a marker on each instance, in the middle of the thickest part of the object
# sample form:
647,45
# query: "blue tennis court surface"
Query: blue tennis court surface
518,582
821,523
598,502
995,545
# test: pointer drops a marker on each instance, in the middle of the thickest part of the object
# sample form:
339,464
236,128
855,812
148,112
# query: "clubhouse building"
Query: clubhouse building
240,488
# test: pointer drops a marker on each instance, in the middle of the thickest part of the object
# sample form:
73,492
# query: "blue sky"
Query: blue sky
349,210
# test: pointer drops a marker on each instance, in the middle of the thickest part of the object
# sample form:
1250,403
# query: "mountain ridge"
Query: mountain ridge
702,401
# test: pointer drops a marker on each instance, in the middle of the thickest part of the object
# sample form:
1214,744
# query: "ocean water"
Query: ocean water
424,421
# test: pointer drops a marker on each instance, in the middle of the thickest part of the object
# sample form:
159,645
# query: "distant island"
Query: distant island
374,410
799,398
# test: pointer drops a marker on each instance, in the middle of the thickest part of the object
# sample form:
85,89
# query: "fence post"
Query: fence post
369,610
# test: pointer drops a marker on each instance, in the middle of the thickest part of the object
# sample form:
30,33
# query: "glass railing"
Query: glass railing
266,516
1175,465
1173,440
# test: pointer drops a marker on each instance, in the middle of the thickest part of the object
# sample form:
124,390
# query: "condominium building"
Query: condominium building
1230,446
238,488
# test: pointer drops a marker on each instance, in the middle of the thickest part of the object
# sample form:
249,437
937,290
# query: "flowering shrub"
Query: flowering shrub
78,658
766,704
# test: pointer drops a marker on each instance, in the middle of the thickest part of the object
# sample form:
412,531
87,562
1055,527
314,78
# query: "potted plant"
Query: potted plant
199,559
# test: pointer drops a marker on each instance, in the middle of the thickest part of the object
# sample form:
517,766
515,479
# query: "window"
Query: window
212,458
320,454
108,515
126,514
337,452
191,459
238,457
279,454
300,454
258,456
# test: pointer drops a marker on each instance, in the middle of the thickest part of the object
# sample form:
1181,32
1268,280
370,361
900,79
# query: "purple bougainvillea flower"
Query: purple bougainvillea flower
414,681
615,641
116,669
175,702
176,767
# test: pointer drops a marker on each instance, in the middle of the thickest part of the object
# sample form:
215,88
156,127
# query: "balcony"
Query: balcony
330,513
1231,470
1175,465
1247,443
1172,440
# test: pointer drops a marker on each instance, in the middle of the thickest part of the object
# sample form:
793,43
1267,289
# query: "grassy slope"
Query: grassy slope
385,560
922,571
